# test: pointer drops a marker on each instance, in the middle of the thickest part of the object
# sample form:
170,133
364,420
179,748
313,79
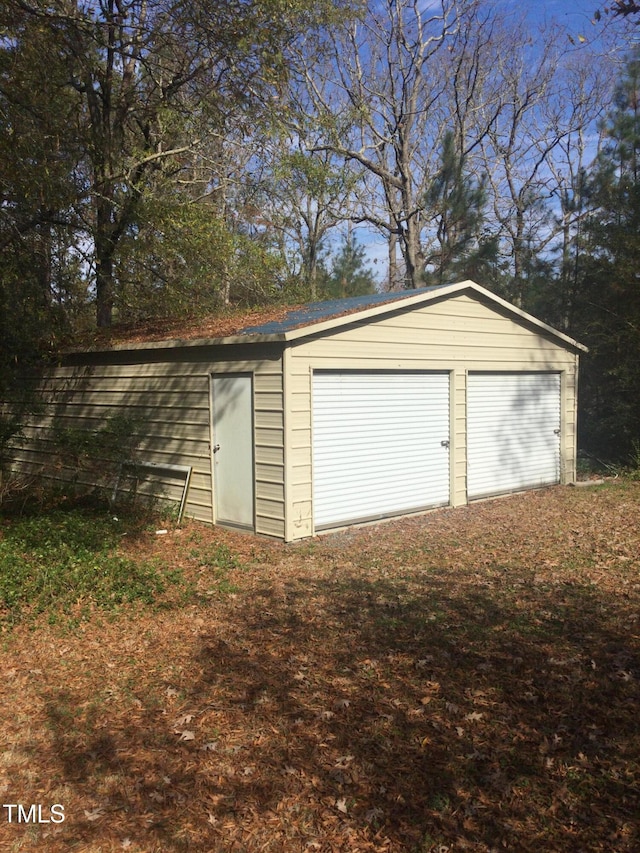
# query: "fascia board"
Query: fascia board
425,298
345,319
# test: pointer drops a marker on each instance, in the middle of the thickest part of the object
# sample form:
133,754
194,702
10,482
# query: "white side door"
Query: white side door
233,468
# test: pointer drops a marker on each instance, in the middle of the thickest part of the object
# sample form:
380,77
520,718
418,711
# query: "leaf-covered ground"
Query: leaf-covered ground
464,680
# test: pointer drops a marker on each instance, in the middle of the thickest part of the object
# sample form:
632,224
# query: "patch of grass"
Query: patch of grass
218,557
216,562
65,560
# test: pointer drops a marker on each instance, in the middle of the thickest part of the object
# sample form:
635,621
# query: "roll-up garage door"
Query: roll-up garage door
380,444
513,432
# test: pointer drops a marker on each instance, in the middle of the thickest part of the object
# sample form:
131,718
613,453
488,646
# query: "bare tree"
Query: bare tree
552,95
374,98
396,85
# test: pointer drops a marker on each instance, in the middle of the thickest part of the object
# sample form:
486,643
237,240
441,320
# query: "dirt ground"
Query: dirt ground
466,680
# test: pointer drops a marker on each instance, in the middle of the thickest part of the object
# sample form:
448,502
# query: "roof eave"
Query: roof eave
177,343
425,298
306,331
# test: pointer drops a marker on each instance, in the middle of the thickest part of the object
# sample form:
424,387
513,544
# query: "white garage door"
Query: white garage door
513,432
380,444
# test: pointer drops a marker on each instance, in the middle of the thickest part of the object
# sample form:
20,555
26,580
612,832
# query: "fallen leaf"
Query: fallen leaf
373,815
326,715
474,717
96,814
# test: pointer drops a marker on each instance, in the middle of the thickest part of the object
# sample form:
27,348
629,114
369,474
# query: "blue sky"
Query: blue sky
577,17
570,12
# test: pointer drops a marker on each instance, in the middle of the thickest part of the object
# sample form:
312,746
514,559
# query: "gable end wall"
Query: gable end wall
458,334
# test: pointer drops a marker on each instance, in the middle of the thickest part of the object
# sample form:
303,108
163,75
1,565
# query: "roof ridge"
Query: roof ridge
327,309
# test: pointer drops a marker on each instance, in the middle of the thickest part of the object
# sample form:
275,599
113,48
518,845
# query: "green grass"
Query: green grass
217,561
65,560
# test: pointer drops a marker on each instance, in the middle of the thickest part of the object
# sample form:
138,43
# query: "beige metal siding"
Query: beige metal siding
167,400
168,392
269,447
458,334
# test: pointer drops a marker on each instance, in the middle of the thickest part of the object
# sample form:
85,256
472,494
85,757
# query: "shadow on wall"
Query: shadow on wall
95,420
525,446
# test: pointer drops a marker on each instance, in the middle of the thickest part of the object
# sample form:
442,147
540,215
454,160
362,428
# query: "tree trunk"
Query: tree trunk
413,255
104,289
104,252
393,260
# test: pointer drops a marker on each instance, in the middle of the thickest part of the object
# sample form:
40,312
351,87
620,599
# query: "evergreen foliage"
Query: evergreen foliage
456,201
349,274
607,310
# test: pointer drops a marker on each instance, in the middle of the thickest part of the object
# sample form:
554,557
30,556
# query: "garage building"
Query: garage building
340,412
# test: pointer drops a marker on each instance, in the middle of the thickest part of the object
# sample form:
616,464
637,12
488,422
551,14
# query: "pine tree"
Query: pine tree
349,274
456,201
608,304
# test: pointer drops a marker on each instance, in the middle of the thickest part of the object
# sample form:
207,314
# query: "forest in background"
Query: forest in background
163,160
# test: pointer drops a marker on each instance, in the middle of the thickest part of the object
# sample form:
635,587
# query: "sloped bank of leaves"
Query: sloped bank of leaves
464,681
68,558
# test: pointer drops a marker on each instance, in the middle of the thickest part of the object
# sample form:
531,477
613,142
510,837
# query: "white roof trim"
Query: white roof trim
355,316
425,298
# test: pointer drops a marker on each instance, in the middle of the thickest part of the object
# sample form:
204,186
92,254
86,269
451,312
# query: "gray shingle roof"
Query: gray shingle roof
315,312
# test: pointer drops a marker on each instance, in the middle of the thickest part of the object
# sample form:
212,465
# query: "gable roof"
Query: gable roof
316,312
319,317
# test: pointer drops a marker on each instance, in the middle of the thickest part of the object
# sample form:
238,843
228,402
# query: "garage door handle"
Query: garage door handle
445,443
556,432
